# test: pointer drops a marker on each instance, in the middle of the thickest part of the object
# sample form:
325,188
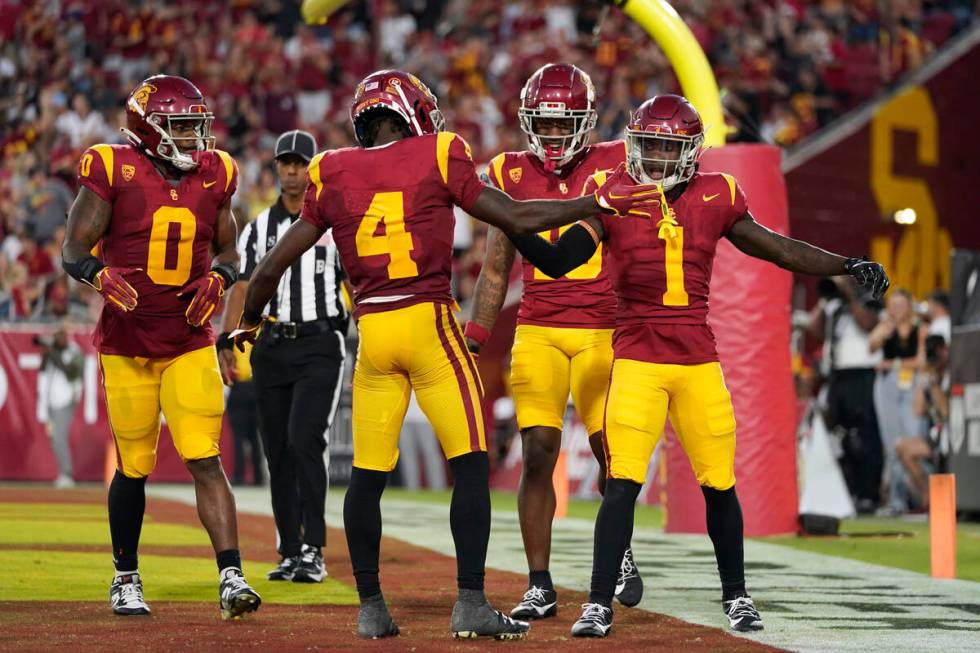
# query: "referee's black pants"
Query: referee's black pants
297,383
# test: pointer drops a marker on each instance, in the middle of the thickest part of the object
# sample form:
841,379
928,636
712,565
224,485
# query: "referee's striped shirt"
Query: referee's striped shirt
310,289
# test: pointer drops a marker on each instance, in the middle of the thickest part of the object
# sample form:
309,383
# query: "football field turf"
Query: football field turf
902,543
54,554
56,568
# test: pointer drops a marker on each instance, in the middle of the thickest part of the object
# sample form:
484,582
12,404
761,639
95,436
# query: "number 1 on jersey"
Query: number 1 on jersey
674,262
387,209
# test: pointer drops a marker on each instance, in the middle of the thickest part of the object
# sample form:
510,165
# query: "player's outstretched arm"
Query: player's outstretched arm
761,242
88,219
619,195
301,236
491,289
511,216
572,249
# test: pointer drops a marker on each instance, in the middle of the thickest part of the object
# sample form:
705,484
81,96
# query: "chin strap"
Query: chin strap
668,223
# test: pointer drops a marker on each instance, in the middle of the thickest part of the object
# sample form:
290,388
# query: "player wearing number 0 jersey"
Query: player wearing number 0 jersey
389,204
563,342
159,208
665,357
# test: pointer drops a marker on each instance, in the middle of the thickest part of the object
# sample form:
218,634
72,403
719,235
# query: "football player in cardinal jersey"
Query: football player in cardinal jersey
563,341
390,205
160,209
665,362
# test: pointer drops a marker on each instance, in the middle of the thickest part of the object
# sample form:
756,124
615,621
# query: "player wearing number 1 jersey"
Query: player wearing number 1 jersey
389,204
160,209
665,360
563,342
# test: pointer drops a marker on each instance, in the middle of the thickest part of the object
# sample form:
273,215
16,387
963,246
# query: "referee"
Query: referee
297,364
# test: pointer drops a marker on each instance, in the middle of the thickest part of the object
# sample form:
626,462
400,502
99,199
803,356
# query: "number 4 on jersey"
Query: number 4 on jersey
387,209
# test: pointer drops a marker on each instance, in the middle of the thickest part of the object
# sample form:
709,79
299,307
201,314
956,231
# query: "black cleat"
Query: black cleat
538,603
629,585
236,596
473,618
742,615
126,596
596,621
374,621
310,568
285,569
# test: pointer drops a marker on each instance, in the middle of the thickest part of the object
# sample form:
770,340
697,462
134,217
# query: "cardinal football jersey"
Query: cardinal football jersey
391,211
661,275
163,228
584,297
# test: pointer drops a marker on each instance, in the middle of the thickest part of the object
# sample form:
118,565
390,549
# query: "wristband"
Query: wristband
223,341
251,317
477,332
228,272
83,270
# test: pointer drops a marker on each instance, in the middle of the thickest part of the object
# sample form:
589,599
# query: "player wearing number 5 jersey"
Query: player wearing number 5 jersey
665,358
160,209
389,204
563,342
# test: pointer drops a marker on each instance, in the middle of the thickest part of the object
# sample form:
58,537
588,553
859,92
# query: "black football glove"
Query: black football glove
868,274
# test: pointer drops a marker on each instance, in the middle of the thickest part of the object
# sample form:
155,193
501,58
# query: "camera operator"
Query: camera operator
844,319
59,387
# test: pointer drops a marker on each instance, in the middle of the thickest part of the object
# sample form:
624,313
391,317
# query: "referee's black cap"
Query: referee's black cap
297,142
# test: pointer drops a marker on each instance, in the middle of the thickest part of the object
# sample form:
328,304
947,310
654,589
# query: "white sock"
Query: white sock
127,573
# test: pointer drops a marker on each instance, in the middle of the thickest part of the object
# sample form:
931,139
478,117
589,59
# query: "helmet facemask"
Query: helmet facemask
662,158
557,149
180,151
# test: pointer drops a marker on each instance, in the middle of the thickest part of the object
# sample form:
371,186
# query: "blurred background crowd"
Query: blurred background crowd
786,67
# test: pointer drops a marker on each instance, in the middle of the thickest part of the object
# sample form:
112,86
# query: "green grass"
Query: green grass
32,575
93,531
71,576
909,552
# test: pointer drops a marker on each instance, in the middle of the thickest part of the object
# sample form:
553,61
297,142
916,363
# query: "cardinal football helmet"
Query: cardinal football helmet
560,91
155,107
664,139
401,93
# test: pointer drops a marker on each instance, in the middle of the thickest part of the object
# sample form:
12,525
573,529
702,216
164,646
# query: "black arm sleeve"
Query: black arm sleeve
84,269
575,247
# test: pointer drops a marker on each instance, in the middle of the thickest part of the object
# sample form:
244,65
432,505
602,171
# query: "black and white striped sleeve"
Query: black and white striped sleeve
247,251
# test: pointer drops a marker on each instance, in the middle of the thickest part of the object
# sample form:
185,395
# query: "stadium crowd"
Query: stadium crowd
787,68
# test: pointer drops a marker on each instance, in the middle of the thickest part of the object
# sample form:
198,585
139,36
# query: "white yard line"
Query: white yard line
809,601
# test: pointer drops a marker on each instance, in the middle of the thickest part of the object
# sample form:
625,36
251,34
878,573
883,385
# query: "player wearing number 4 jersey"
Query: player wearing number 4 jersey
563,342
161,208
390,206
665,361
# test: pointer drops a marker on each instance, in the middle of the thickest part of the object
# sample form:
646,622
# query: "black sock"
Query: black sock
127,502
362,524
724,517
228,558
613,527
540,579
469,517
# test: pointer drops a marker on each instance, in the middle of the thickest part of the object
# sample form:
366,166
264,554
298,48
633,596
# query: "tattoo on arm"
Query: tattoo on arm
491,286
88,220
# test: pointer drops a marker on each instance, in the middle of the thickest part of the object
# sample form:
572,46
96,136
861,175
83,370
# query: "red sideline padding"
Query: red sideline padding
750,315
25,447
